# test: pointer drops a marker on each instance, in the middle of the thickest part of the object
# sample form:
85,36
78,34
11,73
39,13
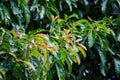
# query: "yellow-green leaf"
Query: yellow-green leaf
82,51
29,64
78,58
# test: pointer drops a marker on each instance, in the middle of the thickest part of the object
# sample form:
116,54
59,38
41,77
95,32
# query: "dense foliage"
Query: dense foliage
59,39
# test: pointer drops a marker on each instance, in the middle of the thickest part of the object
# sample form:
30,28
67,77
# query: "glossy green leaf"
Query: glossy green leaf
35,52
103,43
26,13
12,54
111,51
91,38
24,1
118,2
60,71
5,15
53,8
111,32
72,16
29,65
42,12
104,70
14,7
102,56
104,5
117,66
106,44
2,35
118,37
69,64
69,3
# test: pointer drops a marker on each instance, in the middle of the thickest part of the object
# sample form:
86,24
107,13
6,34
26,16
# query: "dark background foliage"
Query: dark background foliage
97,22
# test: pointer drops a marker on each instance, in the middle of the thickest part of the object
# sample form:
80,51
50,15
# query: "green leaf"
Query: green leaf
1,12
103,70
103,43
2,35
104,5
35,52
106,44
26,13
111,32
69,3
111,51
14,7
52,6
69,64
102,56
12,54
73,16
118,37
5,13
103,67
28,64
91,38
24,1
117,66
2,71
42,12
118,2
60,71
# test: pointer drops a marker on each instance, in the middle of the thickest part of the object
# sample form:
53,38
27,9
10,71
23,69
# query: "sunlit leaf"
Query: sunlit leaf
12,54
14,33
81,45
42,35
35,52
2,71
29,65
51,49
90,19
78,59
59,20
82,51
